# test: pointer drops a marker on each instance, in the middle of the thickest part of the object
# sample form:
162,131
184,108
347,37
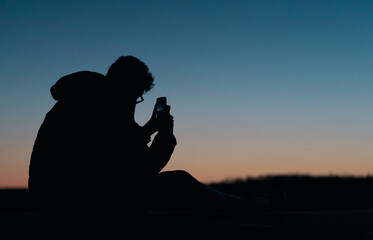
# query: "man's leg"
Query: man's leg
179,189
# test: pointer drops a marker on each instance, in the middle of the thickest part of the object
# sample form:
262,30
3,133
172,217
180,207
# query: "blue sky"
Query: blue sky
256,87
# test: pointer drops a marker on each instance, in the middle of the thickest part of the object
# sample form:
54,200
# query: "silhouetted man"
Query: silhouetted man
91,155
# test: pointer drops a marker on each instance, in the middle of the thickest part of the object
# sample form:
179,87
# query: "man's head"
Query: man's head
131,76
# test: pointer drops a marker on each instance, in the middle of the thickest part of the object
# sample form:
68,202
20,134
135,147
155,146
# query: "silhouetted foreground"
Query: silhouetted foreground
305,193
317,208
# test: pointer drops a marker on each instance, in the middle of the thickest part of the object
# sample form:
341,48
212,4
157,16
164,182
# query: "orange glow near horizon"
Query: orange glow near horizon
217,159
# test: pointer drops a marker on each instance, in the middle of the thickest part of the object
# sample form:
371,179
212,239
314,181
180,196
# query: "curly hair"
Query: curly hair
130,71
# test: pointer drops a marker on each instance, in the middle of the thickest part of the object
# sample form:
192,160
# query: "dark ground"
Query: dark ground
317,208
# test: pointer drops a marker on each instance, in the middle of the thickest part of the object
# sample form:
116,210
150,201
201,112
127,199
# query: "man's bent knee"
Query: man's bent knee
182,174
179,176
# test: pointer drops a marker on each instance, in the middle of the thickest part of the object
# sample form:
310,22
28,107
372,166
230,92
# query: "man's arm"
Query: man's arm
161,150
164,142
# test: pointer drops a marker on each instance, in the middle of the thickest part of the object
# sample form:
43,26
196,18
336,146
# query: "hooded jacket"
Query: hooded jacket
87,152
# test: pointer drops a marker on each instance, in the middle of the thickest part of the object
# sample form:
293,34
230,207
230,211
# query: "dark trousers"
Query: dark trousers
180,190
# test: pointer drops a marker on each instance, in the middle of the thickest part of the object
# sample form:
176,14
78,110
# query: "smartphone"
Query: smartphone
161,104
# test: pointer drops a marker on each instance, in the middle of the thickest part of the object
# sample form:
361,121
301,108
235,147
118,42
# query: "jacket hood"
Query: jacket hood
84,84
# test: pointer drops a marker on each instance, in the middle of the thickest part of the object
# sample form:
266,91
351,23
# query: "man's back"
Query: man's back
81,155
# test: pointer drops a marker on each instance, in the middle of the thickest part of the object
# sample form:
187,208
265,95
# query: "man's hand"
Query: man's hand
165,121
160,121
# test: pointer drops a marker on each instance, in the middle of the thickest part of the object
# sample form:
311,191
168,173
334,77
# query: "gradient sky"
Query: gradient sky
256,87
